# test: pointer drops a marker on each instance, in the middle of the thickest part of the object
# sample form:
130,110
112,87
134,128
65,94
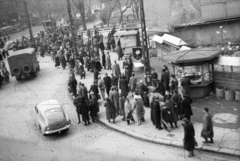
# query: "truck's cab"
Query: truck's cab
23,63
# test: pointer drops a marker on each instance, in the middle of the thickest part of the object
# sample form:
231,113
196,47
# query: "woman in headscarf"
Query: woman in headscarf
110,110
138,106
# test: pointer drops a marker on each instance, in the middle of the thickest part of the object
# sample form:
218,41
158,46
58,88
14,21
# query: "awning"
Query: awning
185,48
157,39
124,33
193,55
173,40
227,61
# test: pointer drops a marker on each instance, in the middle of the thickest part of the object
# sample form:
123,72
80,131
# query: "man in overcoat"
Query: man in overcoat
186,109
207,131
107,81
189,134
185,83
116,69
132,83
123,85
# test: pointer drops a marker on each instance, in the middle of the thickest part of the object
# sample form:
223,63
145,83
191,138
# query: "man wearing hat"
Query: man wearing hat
185,83
186,109
207,131
114,80
107,82
189,134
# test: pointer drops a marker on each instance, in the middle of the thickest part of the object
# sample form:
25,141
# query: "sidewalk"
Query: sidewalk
226,141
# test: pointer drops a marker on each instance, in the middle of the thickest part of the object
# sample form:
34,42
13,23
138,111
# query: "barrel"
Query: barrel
229,95
220,92
237,95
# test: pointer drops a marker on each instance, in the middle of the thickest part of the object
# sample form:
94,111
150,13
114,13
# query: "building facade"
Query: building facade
206,22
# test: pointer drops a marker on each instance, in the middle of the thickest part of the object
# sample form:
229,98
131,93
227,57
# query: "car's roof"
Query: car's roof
47,105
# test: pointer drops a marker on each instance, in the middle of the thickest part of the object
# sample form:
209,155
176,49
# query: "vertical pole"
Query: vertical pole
71,28
222,36
148,78
50,14
28,22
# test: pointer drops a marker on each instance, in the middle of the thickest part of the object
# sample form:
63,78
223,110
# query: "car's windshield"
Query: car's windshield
53,111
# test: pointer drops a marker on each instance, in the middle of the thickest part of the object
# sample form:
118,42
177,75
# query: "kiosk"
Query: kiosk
128,39
198,66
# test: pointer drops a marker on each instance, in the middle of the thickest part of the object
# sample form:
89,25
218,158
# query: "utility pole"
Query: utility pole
71,28
147,69
28,22
50,14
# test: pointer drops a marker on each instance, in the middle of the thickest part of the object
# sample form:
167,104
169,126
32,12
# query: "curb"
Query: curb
161,141
174,143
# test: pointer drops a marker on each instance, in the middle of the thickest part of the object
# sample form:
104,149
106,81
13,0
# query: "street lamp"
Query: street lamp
221,33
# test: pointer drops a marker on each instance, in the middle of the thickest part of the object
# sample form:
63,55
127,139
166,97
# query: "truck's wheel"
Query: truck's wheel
16,70
26,69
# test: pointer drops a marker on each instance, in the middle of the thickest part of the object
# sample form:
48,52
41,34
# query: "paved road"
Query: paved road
25,33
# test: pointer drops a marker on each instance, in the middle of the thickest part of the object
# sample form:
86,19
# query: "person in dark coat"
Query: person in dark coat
72,63
107,81
114,81
101,46
176,100
94,89
123,85
172,115
110,110
84,111
189,134
156,113
63,62
173,84
146,102
82,72
76,102
57,61
165,79
119,52
207,131
160,88
103,60
186,109
72,84
95,74
185,83
94,100
93,109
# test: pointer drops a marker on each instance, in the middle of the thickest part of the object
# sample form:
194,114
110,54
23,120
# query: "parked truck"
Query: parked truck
23,63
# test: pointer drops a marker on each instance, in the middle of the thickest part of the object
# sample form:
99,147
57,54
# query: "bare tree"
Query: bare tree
38,7
106,13
81,7
135,9
123,6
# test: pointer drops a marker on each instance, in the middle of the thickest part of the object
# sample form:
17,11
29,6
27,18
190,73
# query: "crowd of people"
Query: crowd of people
4,74
166,103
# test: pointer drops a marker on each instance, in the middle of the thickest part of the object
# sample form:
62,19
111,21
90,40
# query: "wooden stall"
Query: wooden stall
128,39
197,63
